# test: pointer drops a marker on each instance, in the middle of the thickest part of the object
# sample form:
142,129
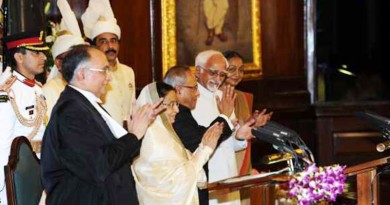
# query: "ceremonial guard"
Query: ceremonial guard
22,105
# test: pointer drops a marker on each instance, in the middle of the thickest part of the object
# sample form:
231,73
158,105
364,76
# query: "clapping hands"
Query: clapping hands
5,75
261,117
212,134
226,103
140,118
256,120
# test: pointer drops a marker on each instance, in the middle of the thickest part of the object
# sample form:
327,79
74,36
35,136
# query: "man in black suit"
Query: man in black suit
86,155
186,127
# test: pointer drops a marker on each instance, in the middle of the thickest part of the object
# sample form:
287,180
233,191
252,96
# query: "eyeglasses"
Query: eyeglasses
102,70
233,68
195,87
171,104
214,73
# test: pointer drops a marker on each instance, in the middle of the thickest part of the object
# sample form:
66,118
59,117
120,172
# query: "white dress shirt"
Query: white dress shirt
115,128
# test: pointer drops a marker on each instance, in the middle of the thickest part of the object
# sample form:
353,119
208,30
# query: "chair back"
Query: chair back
22,174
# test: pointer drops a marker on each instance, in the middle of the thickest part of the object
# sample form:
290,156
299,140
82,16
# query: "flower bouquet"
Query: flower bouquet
316,184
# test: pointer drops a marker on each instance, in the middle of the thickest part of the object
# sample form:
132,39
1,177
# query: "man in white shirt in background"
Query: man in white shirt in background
101,27
86,155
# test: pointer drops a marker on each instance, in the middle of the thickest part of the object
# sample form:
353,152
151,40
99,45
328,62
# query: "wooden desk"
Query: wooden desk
262,190
367,181
224,186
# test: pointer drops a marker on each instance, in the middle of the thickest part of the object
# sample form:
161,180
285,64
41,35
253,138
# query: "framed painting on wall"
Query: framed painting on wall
189,27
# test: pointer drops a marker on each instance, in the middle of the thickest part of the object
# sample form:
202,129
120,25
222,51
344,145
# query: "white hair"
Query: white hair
204,56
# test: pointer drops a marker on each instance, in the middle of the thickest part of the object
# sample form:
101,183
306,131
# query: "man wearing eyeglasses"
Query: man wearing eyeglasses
186,127
106,35
86,155
211,73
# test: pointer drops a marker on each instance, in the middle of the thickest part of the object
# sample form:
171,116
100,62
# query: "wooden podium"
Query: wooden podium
262,187
367,181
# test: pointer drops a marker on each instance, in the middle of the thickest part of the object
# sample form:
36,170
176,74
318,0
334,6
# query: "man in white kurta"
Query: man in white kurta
22,105
210,70
101,27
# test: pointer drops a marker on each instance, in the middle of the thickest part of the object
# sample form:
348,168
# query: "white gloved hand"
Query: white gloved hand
5,75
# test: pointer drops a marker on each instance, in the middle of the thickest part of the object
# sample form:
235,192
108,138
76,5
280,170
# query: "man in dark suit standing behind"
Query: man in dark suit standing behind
190,133
86,155
185,125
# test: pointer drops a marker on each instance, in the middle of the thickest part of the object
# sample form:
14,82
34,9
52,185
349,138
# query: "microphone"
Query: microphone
285,133
279,157
282,129
383,146
381,122
267,135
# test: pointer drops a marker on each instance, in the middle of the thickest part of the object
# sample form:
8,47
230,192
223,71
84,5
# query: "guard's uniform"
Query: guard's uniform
22,105
25,119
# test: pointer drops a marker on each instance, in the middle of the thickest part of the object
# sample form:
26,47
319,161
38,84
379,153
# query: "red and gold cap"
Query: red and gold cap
29,40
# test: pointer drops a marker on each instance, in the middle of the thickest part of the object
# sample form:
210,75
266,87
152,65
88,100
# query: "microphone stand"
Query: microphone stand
291,137
285,141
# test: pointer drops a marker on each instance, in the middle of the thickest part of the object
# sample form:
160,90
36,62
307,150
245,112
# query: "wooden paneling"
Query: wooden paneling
278,93
282,38
283,88
344,144
134,19
78,7
341,136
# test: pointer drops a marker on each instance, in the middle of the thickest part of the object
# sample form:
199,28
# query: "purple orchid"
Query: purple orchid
315,184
